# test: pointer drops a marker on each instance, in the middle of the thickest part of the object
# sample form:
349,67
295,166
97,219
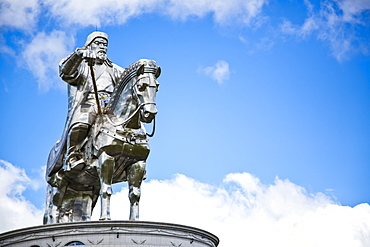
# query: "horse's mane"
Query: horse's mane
128,74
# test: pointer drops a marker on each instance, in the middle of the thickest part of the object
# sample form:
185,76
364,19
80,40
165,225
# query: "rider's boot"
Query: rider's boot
76,136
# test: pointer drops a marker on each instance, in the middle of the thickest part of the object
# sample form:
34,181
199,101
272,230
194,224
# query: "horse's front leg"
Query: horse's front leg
106,168
135,176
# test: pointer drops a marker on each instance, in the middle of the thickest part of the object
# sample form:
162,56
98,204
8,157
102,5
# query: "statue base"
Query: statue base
109,233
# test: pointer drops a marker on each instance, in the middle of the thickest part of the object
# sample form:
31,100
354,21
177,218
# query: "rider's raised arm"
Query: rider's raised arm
69,67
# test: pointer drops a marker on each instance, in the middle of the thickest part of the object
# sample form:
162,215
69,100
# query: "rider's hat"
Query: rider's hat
95,35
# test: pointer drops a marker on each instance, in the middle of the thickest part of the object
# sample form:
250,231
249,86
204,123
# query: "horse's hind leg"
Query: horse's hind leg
82,207
106,174
50,215
135,176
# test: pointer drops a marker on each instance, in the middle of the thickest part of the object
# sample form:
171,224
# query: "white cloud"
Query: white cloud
15,210
19,14
335,23
223,11
4,48
240,211
98,13
243,210
352,8
43,54
24,15
219,72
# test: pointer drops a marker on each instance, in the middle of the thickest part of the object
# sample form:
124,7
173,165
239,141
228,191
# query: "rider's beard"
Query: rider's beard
101,57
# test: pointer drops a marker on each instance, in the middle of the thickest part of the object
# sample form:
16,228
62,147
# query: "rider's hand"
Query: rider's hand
86,53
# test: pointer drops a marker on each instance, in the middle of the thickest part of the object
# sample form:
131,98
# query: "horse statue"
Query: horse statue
116,150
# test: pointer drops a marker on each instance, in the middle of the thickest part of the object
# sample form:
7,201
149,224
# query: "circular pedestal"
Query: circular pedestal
109,233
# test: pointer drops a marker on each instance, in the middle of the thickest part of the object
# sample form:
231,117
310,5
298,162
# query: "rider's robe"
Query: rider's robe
82,103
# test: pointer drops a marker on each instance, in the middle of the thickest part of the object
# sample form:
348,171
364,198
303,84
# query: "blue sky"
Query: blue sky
261,93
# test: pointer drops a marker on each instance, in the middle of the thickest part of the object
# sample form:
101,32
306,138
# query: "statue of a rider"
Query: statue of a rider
82,102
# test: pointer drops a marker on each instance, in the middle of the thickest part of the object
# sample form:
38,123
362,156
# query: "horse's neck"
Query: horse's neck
127,106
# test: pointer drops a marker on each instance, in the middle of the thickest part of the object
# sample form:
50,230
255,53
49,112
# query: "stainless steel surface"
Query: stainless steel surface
99,149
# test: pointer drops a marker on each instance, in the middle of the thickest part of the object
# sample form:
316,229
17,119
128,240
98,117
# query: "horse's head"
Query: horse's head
133,97
146,88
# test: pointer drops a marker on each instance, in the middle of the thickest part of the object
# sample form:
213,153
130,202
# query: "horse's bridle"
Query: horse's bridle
140,105
134,89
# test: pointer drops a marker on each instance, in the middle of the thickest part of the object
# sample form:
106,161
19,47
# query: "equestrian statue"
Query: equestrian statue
104,139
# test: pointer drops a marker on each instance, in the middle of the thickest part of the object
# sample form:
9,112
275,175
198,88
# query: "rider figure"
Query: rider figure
82,107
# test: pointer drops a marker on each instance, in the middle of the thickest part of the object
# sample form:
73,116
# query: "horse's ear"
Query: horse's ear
140,70
158,72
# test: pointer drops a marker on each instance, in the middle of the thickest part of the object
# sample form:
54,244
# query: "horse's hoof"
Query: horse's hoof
134,218
105,218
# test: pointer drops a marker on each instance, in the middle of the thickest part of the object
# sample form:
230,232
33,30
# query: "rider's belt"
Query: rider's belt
104,97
